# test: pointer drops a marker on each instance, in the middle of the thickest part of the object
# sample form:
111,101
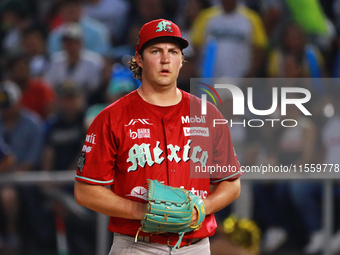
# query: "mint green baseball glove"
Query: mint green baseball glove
170,210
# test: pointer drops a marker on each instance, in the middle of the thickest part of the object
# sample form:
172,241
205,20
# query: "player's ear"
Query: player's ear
182,61
139,59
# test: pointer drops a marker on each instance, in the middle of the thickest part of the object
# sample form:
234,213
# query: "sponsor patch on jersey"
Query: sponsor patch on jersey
196,131
91,138
193,119
86,149
81,162
201,193
141,133
139,192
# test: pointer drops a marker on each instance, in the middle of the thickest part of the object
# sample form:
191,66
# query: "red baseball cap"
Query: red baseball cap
159,28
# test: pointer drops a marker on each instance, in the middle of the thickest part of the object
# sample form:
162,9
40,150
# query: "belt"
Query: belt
166,240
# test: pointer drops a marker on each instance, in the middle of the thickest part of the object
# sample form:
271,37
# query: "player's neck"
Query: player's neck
161,97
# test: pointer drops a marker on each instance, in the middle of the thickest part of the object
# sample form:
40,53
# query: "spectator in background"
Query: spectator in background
50,13
312,18
232,41
294,42
33,43
330,136
6,157
187,15
295,146
74,64
37,95
7,160
95,35
14,19
148,10
336,68
275,202
294,58
272,12
308,195
22,132
113,14
65,135
99,96
120,84
142,12
308,14
186,18
336,10
292,67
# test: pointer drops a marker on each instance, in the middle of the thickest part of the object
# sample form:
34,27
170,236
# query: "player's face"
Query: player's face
161,63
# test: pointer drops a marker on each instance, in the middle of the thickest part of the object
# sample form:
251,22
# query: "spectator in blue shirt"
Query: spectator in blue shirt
22,132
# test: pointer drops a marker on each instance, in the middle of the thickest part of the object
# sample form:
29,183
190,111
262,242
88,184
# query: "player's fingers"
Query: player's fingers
194,217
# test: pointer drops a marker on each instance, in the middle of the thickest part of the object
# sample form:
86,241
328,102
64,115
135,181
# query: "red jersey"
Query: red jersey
131,141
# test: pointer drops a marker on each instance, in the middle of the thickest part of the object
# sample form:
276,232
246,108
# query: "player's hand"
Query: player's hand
194,217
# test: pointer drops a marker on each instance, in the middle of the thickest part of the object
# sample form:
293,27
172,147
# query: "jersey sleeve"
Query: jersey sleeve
97,160
224,155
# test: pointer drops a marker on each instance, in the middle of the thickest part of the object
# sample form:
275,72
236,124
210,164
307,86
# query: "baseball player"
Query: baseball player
148,135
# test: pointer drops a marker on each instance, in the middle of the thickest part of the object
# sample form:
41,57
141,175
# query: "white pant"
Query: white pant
126,245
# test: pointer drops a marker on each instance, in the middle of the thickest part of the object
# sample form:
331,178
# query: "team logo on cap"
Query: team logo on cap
164,26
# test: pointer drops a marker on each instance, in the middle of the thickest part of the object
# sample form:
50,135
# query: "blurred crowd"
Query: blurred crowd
63,61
